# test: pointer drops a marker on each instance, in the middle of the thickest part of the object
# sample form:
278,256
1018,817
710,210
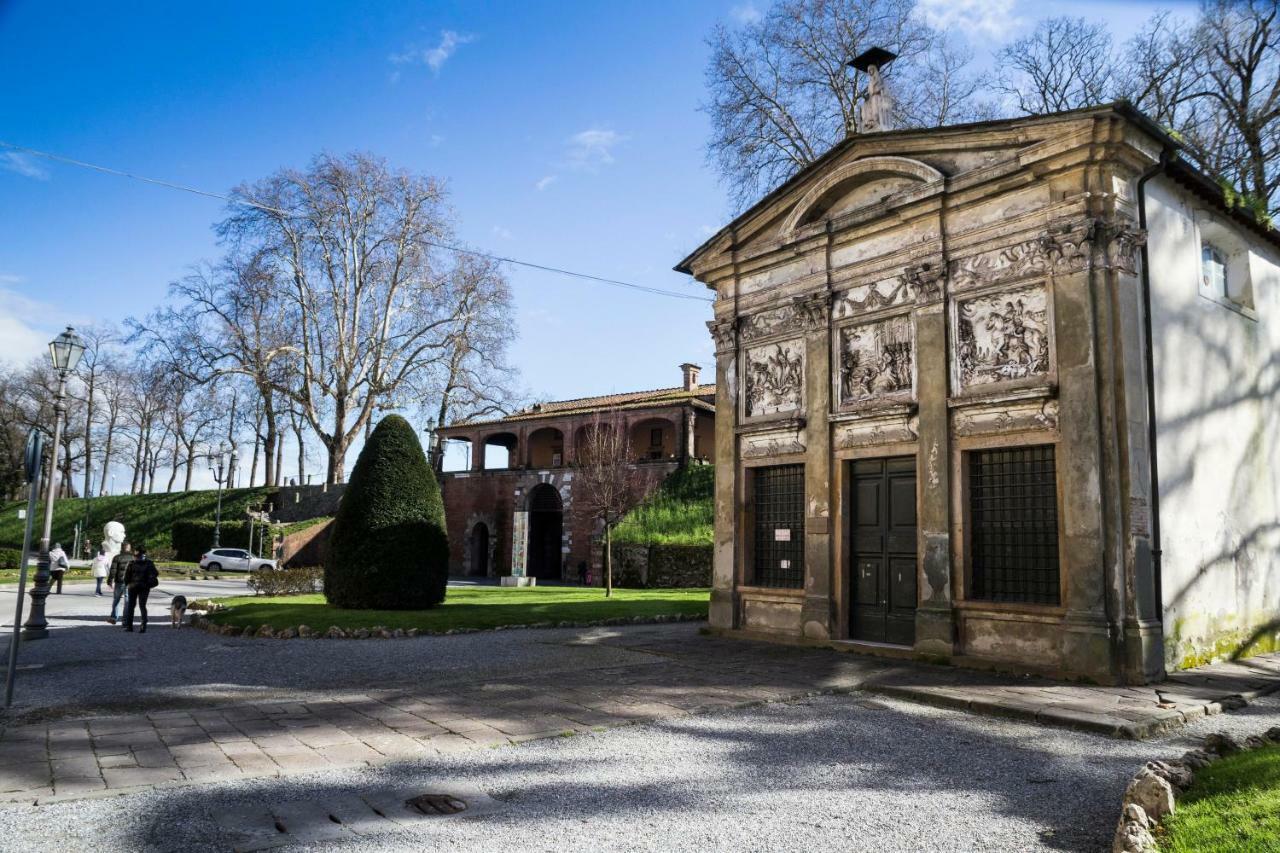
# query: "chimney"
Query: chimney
690,375
876,110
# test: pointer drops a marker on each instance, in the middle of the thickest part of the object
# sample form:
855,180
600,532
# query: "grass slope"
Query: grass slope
145,517
1233,805
680,512
469,607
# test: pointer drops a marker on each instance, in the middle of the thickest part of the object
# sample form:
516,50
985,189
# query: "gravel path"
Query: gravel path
88,667
834,773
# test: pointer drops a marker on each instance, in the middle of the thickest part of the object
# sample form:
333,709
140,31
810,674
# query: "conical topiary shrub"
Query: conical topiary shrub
389,548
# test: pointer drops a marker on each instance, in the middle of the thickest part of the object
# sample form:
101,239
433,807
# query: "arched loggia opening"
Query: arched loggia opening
546,526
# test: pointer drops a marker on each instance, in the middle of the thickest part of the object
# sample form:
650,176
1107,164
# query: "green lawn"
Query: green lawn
1234,805
171,569
470,607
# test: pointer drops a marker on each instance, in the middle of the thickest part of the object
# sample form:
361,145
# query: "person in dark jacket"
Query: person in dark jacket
115,578
140,577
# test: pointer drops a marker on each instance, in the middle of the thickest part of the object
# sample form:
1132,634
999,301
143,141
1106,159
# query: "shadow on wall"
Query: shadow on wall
1228,607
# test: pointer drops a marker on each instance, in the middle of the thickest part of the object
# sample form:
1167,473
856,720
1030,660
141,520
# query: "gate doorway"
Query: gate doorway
546,524
882,552
479,550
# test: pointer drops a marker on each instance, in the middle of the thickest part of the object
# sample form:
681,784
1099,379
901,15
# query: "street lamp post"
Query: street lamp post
222,465
65,351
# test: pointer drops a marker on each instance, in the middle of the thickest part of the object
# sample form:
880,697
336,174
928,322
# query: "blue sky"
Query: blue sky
568,134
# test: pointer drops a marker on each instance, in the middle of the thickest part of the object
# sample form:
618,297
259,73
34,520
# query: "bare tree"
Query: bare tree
474,380
351,242
1065,63
230,321
780,93
99,343
604,480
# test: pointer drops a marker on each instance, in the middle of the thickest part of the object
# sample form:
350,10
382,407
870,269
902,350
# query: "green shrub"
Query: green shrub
298,581
10,558
389,548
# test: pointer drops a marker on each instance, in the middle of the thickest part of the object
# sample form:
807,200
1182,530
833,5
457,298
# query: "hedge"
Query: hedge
10,558
389,549
190,539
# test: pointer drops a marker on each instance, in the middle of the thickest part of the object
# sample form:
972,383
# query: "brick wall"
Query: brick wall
489,498
299,503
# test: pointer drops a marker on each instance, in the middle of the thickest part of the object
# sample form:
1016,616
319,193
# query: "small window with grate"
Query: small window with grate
778,553
1013,518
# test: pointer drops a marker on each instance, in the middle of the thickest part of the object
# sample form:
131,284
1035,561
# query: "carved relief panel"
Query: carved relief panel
1002,336
876,360
774,377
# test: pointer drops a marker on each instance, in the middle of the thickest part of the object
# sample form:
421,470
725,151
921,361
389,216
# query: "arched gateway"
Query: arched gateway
546,525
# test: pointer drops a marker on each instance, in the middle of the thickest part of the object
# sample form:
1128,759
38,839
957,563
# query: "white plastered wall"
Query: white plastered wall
1217,367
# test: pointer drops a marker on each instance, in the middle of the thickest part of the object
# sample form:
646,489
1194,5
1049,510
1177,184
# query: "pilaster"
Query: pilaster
725,557
816,616
935,620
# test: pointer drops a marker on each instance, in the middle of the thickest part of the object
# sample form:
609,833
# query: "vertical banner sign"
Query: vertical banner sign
519,542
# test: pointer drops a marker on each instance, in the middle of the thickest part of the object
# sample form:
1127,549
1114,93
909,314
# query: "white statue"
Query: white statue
112,538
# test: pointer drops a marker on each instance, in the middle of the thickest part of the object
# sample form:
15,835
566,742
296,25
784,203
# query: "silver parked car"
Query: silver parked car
233,560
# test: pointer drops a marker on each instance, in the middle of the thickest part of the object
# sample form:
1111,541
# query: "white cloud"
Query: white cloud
747,13
544,182
22,336
986,19
593,148
433,57
16,161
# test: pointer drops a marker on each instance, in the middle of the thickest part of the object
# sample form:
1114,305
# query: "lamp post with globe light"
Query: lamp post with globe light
65,351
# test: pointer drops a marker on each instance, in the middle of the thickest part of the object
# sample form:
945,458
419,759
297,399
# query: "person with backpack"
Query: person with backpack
140,578
115,579
58,565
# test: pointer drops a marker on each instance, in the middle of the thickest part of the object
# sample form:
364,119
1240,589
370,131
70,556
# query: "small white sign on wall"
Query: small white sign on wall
22,515
784,564
782,534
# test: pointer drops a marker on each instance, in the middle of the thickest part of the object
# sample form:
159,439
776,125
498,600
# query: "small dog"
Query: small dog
177,609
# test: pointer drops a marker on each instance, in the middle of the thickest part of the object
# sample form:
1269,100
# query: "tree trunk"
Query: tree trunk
191,466
279,461
253,468
173,468
106,455
608,558
302,455
88,436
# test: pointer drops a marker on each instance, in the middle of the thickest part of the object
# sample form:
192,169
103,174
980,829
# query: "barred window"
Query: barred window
779,526
1013,515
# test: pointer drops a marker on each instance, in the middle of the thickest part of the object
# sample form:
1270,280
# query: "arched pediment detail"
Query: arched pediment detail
858,184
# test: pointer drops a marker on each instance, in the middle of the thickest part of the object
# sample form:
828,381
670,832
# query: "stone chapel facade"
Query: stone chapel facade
937,403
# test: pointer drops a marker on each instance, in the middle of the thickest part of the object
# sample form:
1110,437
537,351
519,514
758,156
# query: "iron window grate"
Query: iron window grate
1013,512
779,527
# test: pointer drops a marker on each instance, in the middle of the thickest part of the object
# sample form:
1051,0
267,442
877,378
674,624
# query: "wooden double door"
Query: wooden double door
882,551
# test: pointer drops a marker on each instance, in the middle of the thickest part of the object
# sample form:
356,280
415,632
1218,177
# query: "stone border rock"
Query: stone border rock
380,632
1151,794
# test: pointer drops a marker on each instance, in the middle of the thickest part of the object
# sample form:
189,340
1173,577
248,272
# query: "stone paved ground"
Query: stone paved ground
405,699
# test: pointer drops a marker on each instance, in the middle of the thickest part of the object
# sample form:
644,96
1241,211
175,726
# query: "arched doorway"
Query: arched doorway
479,550
546,523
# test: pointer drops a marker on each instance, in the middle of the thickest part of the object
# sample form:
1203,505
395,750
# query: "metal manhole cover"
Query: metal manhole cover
436,804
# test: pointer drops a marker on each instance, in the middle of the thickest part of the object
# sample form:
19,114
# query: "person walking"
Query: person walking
101,563
58,565
140,577
115,579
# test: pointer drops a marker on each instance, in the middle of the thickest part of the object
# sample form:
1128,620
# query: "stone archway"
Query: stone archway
546,528
479,551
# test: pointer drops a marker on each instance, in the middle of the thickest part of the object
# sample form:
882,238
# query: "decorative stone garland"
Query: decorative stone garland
379,632
1150,795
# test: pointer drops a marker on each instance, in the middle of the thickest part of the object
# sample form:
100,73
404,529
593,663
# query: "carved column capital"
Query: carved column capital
725,334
